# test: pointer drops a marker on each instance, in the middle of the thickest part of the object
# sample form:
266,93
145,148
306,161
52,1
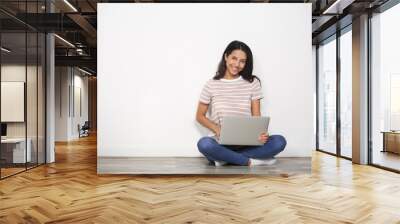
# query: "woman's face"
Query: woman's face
235,62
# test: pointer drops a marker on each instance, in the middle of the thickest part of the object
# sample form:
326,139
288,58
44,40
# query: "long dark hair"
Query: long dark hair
247,72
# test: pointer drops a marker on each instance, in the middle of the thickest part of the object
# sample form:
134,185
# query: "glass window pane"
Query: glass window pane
327,96
13,86
41,98
31,86
386,89
346,94
31,101
22,89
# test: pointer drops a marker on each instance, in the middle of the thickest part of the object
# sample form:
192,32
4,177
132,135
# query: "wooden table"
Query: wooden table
391,141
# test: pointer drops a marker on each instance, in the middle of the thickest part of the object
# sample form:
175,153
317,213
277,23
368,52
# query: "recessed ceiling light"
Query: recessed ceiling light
64,40
84,71
70,5
338,6
5,50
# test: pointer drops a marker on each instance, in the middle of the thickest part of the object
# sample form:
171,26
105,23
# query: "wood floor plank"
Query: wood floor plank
70,191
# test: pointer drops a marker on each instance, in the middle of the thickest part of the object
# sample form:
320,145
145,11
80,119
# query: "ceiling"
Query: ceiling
76,22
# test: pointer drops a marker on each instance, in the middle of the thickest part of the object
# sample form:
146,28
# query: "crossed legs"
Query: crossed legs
213,151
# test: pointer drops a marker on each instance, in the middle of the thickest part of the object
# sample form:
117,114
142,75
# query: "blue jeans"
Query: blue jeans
213,151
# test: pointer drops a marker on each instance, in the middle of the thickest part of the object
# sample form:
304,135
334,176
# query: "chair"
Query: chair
84,130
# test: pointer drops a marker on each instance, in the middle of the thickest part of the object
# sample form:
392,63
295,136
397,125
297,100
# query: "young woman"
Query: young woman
234,91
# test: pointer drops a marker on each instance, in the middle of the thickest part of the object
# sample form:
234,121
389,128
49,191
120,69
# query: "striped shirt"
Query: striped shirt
230,97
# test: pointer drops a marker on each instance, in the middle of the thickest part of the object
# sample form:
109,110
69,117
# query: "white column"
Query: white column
50,100
50,92
360,90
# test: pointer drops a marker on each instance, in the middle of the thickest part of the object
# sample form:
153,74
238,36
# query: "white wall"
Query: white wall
80,84
18,73
61,103
12,101
153,60
68,81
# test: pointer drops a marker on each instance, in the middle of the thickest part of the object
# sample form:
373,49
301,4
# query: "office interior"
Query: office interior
48,82
29,58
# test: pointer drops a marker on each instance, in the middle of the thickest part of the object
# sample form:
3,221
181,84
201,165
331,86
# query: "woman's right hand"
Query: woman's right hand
203,120
217,130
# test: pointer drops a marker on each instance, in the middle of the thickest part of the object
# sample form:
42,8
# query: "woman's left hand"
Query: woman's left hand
263,137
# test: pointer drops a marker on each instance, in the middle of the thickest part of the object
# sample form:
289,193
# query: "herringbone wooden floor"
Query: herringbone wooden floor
70,191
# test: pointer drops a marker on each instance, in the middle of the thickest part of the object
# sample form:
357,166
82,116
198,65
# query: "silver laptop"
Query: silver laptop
242,130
